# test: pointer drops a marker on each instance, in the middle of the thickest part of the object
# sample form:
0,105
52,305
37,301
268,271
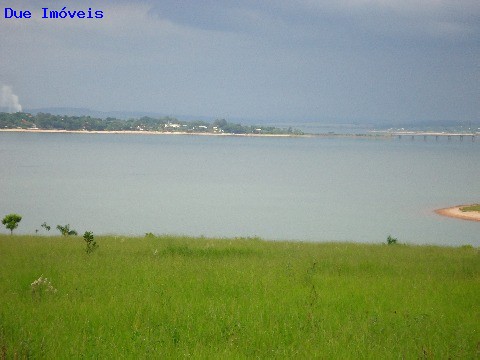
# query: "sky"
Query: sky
297,60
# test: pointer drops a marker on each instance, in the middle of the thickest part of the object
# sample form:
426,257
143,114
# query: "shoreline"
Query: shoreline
146,132
455,212
140,132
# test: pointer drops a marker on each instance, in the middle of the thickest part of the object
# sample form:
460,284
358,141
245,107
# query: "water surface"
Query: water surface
312,189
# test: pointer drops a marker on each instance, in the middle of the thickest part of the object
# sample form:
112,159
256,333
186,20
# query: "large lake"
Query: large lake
311,189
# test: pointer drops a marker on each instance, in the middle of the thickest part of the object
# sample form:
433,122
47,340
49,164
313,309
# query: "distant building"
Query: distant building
172,125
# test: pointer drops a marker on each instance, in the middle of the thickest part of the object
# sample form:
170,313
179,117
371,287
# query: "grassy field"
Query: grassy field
163,297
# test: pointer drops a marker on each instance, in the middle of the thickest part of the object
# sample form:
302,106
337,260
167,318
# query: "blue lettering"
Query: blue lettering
18,14
63,14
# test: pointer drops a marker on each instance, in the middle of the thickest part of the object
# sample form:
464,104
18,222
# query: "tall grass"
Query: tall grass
237,298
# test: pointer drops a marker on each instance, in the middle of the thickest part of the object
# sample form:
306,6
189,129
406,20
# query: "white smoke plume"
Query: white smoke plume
9,100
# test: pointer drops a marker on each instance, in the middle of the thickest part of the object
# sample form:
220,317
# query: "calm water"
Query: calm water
276,188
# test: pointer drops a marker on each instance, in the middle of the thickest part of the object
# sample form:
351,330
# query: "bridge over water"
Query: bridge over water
437,135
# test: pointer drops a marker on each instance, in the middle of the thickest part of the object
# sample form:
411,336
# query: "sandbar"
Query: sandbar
455,212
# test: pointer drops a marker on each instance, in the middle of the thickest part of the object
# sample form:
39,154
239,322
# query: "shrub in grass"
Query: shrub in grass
65,230
40,287
45,226
391,240
91,243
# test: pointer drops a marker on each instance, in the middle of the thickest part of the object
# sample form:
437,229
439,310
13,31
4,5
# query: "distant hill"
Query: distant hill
125,115
70,111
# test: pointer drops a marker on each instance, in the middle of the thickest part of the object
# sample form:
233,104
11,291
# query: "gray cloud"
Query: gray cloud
448,20
297,59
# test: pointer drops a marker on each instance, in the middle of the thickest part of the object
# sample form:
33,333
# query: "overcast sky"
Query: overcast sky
296,60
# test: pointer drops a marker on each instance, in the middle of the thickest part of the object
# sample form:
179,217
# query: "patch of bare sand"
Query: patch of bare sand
455,212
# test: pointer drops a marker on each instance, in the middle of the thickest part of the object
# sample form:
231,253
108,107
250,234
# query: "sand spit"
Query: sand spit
455,212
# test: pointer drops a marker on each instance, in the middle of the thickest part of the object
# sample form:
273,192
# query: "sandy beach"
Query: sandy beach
455,212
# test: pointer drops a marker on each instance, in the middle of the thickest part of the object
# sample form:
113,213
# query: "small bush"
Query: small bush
391,240
40,287
65,230
45,226
91,243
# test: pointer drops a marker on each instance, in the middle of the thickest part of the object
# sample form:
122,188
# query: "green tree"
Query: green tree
220,123
11,221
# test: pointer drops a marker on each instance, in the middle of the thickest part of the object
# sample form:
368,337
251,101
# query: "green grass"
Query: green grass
475,207
164,297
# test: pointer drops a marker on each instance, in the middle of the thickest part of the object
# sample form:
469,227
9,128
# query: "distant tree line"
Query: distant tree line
45,121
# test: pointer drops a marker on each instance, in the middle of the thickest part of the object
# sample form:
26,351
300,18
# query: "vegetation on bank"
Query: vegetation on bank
164,296
165,124
475,207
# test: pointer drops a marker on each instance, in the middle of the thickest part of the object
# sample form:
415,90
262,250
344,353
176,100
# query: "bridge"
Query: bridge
437,135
